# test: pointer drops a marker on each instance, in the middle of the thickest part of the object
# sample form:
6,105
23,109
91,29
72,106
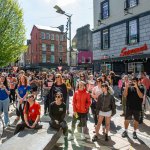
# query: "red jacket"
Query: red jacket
81,101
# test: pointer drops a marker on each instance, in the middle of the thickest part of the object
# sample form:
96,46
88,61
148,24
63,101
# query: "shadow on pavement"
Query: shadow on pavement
138,146
114,128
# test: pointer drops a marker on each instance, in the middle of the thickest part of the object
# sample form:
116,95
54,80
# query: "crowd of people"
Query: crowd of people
91,92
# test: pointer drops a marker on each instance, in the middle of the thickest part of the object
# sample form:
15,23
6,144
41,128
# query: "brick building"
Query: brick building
47,47
121,36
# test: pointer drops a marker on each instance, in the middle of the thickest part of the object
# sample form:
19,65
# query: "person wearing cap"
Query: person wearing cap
57,113
134,97
31,112
81,104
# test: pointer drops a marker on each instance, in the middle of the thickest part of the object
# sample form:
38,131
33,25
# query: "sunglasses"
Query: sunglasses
57,76
57,96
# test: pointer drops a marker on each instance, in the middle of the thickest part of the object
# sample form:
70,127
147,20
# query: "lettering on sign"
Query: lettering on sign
126,52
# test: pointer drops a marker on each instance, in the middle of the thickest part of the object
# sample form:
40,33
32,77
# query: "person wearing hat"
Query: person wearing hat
32,112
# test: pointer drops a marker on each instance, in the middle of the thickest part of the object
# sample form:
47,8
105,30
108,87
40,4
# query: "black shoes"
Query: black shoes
106,137
124,134
134,135
95,138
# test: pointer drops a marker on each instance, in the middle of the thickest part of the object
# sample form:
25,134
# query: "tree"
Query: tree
12,32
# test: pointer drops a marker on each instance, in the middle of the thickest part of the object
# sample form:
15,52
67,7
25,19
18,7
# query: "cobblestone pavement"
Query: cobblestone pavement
115,142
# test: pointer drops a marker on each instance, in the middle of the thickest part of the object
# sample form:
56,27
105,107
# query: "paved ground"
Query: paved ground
115,142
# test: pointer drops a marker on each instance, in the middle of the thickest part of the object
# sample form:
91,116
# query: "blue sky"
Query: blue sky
41,12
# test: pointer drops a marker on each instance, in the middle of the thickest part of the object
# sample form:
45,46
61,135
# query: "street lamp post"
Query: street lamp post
60,11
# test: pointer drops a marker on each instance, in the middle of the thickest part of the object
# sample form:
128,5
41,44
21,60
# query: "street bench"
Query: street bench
30,139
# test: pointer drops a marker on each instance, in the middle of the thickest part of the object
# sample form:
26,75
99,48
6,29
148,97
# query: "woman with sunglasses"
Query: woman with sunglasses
31,112
105,108
57,114
81,104
4,99
58,86
22,92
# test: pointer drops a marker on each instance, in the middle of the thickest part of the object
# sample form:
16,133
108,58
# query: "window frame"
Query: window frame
43,35
102,10
102,39
52,37
53,59
47,35
45,47
60,45
129,40
82,59
44,59
51,47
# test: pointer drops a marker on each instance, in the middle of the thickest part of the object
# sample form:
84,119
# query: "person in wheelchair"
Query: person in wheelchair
57,114
32,111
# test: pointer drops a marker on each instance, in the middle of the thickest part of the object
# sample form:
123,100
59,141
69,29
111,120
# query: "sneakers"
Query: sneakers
106,137
95,138
124,134
134,135
71,137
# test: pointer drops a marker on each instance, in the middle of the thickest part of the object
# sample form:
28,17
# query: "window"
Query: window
105,9
43,58
52,36
43,47
42,35
83,59
105,39
52,59
132,3
57,37
47,36
52,47
61,37
60,48
133,32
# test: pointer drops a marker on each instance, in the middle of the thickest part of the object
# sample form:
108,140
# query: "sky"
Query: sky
41,12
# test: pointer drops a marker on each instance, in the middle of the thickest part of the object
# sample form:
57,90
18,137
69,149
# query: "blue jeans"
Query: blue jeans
4,104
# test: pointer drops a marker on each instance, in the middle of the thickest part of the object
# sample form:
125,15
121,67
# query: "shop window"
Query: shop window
105,39
105,9
133,32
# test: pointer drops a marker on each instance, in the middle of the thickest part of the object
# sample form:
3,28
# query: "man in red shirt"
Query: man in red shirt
31,115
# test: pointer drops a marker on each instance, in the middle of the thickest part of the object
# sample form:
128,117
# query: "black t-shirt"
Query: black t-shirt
57,112
134,102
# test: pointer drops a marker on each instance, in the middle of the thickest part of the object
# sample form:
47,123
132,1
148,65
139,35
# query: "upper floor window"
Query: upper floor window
105,39
52,59
47,36
43,47
133,31
52,48
42,35
52,36
60,48
43,58
105,9
83,60
57,37
131,3
61,37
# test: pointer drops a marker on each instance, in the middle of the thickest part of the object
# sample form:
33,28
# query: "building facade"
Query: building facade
47,48
121,36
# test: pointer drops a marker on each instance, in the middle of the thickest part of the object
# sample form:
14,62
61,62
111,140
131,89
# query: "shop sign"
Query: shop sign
126,52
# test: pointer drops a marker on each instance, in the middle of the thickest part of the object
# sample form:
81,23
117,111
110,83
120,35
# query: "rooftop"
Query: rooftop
47,28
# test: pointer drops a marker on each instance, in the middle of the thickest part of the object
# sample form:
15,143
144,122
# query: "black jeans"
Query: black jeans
62,125
22,125
12,96
19,111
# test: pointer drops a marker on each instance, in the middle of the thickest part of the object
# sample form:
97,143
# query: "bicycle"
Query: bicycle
1,126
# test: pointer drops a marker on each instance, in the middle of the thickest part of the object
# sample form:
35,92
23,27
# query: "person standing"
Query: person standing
134,97
4,99
81,104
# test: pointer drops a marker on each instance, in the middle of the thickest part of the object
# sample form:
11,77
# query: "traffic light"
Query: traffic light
60,60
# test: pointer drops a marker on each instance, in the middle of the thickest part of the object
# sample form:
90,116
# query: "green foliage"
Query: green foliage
12,31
